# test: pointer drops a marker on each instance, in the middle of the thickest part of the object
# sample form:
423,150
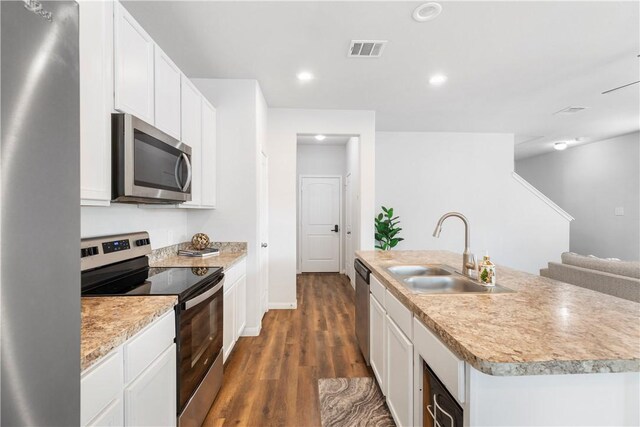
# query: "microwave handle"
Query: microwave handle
175,172
203,296
186,160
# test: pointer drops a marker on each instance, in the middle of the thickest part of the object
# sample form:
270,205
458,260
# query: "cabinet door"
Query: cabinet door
192,136
167,94
241,306
229,329
150,400
399,374
111,416
96,101
209,155
377,341
133,55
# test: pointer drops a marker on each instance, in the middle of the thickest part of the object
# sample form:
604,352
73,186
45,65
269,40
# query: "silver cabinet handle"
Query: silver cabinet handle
203,296
264,245
186,159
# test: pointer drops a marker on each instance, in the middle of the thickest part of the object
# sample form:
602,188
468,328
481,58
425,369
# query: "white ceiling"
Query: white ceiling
329,140
510,65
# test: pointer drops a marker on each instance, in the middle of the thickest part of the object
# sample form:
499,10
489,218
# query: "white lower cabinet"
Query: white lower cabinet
377,341
148,398
235,306
111,416
241,311
399,374
229,321
152,386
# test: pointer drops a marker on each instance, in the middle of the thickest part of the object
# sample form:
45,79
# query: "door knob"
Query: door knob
335,228
264,245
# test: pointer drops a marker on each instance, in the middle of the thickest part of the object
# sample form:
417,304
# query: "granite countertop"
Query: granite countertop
108,322
230,254
546,327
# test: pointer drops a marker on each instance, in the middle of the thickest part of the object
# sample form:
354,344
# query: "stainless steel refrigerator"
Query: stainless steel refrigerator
40,214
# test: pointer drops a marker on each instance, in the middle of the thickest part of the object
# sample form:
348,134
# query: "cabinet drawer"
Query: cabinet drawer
148,344
100,385
400,314
238,270
445,364
377,289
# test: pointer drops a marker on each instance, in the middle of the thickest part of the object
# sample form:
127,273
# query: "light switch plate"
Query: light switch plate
619,211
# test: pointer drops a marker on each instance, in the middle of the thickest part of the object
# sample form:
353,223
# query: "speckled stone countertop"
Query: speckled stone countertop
546,327
230,254
108,322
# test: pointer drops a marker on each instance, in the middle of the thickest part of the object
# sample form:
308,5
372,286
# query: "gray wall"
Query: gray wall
590,182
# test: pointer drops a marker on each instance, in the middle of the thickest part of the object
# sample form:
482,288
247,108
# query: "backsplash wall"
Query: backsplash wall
166,226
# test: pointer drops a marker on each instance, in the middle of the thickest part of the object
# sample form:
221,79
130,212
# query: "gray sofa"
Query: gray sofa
618,278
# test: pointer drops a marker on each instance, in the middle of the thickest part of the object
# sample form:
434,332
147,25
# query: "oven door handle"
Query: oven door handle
203,296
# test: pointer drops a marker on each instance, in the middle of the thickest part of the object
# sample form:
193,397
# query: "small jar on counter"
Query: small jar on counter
487,271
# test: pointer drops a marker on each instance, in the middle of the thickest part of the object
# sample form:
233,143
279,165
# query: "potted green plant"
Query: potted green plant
387,230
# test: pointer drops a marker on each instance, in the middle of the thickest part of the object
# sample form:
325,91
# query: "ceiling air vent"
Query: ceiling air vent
570,110
366,48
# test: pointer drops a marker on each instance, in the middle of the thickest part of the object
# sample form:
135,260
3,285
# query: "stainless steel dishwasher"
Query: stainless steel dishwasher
362,307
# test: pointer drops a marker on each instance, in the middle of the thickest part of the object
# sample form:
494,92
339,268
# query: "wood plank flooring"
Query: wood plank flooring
272,379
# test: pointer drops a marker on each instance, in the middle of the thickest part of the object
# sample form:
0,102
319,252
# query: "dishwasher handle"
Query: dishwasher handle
362,270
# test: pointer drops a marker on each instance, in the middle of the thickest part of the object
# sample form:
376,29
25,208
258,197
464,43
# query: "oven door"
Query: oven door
199,341
149,165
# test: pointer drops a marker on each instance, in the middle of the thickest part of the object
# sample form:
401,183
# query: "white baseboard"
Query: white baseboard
251,332
283,305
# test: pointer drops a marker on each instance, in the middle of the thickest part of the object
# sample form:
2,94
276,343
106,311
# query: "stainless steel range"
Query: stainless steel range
118,266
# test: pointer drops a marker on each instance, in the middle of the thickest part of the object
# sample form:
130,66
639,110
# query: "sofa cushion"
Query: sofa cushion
607,283
622,268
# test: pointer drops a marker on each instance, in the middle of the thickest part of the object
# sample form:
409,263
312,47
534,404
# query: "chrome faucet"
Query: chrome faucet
468,259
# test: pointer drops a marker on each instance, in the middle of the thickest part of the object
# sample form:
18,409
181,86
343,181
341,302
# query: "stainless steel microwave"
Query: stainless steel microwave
148,166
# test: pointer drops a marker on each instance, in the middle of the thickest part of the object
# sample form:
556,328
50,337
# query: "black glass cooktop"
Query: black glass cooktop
136,278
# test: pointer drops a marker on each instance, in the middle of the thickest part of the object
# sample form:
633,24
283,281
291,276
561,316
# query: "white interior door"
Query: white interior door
349,227
264,232
320,224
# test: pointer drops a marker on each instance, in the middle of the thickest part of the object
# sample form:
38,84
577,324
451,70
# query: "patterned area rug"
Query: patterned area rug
352,402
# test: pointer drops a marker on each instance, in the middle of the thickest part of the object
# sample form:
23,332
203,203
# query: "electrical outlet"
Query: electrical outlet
619,211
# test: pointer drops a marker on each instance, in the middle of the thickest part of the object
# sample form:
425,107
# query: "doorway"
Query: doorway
327,190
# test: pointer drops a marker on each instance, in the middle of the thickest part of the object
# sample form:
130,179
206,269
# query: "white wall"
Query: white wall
353,168
322,160
236,218
589,182
424,175
284,125
166,226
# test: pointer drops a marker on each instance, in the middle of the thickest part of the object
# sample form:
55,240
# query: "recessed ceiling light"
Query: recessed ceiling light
427,12
560,145
320,137
438,79
305,76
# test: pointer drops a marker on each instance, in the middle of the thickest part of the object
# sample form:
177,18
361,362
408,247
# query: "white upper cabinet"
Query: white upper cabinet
209,155
192,135
96,100
167,94
134,70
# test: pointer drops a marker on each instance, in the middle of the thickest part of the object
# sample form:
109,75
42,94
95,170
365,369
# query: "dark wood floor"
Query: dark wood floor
272,379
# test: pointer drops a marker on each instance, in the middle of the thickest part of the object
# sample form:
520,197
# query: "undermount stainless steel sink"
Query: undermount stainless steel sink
418,270
439,279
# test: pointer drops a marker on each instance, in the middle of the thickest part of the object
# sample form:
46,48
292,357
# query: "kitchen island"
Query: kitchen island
547,353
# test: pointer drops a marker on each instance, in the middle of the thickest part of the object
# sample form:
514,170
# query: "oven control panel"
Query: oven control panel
104,250
115,246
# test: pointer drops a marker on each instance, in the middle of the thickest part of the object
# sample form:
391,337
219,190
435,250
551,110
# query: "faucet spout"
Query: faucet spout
468,259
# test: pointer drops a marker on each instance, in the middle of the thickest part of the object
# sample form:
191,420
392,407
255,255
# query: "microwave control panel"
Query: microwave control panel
115,246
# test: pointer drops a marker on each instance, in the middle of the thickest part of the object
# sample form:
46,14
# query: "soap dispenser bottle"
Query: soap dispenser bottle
487,271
